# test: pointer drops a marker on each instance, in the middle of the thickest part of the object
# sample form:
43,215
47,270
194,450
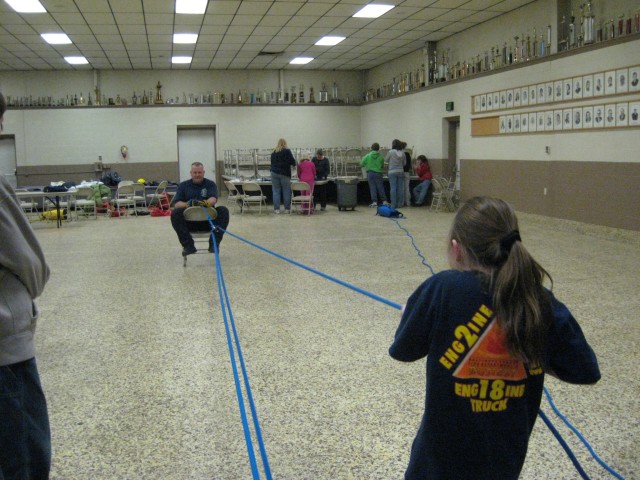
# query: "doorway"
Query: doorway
8,160
197,144
452,167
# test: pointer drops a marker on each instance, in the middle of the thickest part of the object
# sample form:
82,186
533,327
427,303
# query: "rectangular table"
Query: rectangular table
53,197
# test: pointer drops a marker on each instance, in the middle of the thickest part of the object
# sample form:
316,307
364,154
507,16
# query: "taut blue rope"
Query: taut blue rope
224,302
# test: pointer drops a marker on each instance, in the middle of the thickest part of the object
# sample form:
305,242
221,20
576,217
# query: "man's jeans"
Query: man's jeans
182,227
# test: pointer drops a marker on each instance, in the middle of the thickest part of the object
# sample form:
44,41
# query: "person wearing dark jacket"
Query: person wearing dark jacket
282,161
322,172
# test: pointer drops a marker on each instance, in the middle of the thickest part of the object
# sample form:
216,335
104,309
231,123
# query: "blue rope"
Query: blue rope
424,260
582,439
224,301
555,432
324,275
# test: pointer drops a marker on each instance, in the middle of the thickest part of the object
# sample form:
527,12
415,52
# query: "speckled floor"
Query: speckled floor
134,359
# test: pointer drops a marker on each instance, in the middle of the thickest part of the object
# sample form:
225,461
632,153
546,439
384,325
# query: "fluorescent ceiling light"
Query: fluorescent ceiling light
301,60
76,60
181,59
185,37
329,40
191,6
56,38
26,6
373,11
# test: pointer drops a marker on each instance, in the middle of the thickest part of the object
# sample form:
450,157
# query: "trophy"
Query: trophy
158,99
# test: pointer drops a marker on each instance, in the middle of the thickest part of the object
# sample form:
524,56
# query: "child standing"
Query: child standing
373,163
307,173
490,331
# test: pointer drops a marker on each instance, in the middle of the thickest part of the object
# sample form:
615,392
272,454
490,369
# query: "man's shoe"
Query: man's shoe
373,205
188,251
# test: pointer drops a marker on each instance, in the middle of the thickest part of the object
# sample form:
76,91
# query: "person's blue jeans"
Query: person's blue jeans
281,185
420,191
376,187
25,438
396,183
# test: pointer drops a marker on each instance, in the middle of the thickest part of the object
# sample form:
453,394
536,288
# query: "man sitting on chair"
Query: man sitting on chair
198,191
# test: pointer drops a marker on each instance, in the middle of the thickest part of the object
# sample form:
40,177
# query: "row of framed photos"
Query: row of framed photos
624,80
580,118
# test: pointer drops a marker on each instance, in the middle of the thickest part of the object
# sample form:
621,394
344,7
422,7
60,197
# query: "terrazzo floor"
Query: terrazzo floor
135,364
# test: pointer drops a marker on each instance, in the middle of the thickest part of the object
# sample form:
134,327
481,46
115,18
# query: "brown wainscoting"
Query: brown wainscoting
45,174
600,193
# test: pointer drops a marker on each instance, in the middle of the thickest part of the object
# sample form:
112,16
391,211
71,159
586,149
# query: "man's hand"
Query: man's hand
204,203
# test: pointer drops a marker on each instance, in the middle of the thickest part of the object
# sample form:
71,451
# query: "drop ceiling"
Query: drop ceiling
232,34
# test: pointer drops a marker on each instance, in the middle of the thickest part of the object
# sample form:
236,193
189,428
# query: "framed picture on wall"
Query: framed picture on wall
541,93
496,100
577,118
532,95
598,116
483,103
634,79
598,84
524,96
557,119
567,120
567,89
610,83
516,97
622,81
622,115
503,124
557,90
533,122
548,94
548,120
476,103
587,117
509,123
577,87
503,99
509,98
516,124
634,113
610,115
587,86
524,122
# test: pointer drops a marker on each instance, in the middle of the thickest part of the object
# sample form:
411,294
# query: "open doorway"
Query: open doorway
451,168
8,159
197,143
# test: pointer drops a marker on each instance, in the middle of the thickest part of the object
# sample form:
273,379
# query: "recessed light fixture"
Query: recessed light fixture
181,59
301,60
185,37
76,60
26,6
56,38
373,11
191,6
329,40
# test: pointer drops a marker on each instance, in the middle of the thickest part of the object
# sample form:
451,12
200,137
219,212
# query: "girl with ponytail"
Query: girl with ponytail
490,331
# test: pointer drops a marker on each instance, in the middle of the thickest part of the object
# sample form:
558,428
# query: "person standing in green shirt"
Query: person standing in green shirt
373,162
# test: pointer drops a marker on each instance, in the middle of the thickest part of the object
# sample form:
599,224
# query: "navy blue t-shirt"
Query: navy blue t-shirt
188,190
481,403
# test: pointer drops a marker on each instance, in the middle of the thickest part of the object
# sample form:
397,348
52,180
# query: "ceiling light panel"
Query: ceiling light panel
185,37
330,40
301,60
26,6
76,60
191,7
372,11
56,38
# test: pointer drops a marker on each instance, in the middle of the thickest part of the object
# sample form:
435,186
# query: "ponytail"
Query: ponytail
487,230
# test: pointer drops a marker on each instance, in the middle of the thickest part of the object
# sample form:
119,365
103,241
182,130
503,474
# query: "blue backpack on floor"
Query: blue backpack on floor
387,211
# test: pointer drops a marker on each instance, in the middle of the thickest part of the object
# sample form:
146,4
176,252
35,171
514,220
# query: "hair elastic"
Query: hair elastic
508,240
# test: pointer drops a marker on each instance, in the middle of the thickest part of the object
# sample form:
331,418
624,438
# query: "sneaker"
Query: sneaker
386,204
188,251
277,212
322,209
373,205
287,211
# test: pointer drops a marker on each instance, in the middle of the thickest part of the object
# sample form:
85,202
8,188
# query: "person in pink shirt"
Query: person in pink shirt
307,173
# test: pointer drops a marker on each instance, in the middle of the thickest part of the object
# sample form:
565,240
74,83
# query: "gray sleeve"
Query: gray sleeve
20,251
